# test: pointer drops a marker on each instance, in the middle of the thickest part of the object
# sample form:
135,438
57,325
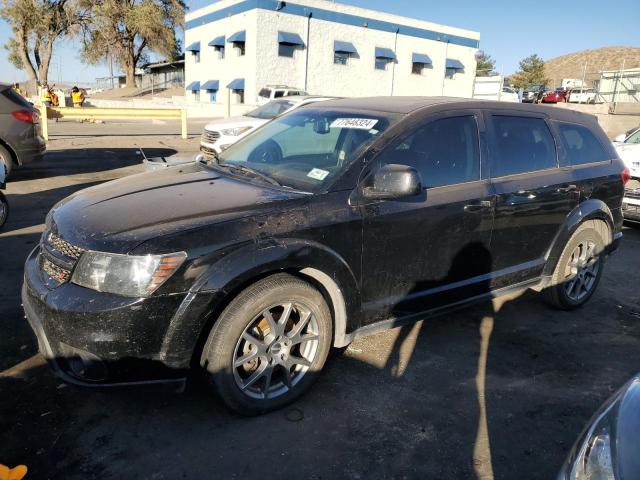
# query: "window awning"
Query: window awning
193,86
211,85
385,53
344,47
237,84
289,38
455,64
217,42
238,37
194,47
421,58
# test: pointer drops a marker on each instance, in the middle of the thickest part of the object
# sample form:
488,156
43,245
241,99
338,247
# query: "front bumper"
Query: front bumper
98,339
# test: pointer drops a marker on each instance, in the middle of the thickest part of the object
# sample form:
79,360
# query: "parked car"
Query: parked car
220,134
329,223
608,447
582,95
4,205
21,140
273,92
555,96
628,148
533,94
509,95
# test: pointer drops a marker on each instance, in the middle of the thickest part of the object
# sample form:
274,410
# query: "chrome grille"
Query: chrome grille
65,248
210,136
57,273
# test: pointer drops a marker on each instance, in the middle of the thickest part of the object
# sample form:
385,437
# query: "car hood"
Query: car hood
119,215
234,122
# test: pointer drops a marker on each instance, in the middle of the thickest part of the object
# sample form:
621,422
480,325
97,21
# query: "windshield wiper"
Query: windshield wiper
250,171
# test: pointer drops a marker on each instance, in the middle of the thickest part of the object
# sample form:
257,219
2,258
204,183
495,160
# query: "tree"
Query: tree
531,73
127,30
485,65
36,25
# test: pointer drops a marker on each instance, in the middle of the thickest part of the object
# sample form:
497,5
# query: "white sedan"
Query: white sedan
219,134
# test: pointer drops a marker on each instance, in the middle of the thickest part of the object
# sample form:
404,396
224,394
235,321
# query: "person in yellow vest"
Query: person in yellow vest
77,97
45,95
16,88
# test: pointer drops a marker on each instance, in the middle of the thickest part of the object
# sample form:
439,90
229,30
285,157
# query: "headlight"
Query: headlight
127,275
594,461
234,132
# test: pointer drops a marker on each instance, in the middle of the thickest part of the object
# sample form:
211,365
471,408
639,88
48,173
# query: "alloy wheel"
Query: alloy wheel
275,350
581,271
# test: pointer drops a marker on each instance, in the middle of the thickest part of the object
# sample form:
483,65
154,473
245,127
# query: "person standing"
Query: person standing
45,95
16,88
77,97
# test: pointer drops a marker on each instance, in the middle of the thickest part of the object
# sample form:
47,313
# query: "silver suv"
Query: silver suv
21,140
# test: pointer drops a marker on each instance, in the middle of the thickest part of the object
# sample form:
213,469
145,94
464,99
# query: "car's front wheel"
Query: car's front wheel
6,160
580,266
269,345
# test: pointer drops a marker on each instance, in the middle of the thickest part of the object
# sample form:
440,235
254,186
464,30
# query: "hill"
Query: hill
598,59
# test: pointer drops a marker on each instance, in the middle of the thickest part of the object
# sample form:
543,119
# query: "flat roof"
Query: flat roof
337,13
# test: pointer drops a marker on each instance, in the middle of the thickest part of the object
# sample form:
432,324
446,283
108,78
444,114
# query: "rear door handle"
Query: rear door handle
477,207
568,189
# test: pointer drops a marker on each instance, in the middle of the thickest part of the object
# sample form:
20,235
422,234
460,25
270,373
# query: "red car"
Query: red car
555,96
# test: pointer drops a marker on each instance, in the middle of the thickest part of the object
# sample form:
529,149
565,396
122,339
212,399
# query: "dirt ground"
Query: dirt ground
500,390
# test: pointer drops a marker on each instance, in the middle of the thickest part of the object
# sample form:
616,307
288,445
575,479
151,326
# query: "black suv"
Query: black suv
329,223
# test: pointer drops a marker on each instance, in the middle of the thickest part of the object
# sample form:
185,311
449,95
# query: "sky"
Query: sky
509,31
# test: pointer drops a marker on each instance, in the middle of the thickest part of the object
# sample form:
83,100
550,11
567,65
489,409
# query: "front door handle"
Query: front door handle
568,189
477,207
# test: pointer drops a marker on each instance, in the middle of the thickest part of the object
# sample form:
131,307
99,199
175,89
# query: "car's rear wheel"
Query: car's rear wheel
269,345
4,209
6,160
580,266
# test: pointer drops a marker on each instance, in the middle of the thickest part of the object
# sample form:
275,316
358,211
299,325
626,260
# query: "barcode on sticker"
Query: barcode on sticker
358,123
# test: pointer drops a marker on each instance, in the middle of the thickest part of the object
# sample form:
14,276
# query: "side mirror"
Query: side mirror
394,181
620,138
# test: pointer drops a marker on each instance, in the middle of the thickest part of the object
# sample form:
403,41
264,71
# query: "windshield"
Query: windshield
308,148
634,137
271,109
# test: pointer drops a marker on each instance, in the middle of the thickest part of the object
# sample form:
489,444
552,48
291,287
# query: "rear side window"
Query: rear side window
279,94
445,152
265,92
582,146
16,98
522,144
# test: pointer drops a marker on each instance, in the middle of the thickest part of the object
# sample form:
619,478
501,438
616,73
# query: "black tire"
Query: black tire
226,347
4,209
6,159
570,289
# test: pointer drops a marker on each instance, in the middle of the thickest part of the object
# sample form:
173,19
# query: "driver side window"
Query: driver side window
444,152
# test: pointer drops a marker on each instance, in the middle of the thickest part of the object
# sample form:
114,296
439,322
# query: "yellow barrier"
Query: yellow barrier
111,113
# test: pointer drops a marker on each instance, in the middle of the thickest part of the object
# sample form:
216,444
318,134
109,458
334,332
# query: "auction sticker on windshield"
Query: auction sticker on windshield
357,123
318,174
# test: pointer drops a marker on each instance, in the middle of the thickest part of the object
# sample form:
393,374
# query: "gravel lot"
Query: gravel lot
500,390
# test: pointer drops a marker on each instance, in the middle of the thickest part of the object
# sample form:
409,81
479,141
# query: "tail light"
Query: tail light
626,176
26,116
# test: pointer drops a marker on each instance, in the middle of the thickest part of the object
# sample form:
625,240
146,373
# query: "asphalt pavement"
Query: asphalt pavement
500,390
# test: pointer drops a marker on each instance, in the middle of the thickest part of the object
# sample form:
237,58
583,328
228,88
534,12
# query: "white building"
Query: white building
236,47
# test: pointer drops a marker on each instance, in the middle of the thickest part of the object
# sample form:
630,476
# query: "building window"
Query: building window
220,51
239,48
341,58
213,96
382,63
450,72
239,96
418,68
286,50
196,56
196,95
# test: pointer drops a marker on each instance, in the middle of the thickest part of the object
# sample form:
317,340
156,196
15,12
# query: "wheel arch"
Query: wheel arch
225,278
11,150
592,209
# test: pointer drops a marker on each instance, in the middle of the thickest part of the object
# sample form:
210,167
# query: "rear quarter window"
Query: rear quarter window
581,145
521,145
